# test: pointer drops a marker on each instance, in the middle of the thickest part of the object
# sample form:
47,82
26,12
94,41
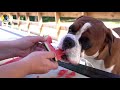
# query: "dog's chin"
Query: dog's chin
68,59
73,62
71,55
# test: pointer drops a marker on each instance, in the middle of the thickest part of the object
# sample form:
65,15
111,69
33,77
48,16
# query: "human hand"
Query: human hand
39,62
28,44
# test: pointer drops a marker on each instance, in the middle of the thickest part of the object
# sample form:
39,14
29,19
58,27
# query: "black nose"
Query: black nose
68,43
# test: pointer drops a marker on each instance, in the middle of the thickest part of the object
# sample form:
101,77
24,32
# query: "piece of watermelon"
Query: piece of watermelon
70,75
48,39
61,73
58,52
12,60
49,47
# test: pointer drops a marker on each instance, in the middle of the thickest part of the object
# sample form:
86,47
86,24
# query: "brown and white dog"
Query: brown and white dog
89,38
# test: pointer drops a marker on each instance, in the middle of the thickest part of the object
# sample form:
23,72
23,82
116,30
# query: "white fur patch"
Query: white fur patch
93,56
115,34
74,53
83,29
99,64
60,42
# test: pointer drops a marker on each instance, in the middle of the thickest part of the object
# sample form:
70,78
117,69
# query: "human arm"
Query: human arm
20,47
7,50
37,62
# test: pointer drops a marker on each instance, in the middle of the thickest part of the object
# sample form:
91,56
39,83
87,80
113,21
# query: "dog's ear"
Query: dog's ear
80,17
109,39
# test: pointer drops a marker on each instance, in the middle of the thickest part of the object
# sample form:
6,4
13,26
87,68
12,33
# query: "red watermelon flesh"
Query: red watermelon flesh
48,45
12,60
61,73
70,75
58,52
48,39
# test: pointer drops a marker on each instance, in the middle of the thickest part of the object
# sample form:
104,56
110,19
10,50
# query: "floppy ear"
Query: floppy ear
109,39
80,17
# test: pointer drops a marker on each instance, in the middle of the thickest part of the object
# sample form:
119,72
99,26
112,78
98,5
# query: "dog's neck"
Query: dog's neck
114,59
106,62
99,63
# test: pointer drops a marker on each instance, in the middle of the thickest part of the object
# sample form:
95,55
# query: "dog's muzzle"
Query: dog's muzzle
68,43
71,47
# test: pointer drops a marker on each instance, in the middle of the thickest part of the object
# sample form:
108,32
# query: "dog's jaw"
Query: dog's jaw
73,54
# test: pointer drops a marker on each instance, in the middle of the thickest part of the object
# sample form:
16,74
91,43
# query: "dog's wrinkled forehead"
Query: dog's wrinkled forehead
79,22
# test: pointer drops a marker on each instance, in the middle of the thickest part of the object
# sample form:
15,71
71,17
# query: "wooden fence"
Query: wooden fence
57,28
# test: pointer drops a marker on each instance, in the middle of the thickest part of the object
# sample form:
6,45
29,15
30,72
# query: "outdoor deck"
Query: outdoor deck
7,33
55,29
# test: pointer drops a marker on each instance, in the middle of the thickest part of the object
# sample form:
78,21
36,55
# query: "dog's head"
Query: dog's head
88,35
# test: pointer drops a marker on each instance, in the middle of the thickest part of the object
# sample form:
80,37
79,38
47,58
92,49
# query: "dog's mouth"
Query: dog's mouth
70,56
65,58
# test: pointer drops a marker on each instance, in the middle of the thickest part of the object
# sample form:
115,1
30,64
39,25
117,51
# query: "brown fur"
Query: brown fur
117,30
107,44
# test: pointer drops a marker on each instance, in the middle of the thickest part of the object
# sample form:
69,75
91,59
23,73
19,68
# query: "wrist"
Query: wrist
14,48
27,65
17,69
7,50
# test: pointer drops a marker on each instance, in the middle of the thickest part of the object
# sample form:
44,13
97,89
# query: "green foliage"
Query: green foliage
48,19
14,17
22,18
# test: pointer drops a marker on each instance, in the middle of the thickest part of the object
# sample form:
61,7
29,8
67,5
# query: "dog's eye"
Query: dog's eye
85,42
72,32
72,29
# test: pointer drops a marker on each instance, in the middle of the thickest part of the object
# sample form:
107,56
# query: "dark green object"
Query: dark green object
88,71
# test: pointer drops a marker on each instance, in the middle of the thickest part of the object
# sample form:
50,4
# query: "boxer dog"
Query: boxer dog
89,38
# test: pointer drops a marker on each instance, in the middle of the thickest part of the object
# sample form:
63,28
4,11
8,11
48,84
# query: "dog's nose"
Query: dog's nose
68,43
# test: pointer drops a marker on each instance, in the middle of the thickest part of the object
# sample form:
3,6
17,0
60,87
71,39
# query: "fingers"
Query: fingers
49,55
53,65
45,54
39,49
41,39
37,39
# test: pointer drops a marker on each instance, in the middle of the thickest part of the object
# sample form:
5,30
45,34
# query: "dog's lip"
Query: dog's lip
64,57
